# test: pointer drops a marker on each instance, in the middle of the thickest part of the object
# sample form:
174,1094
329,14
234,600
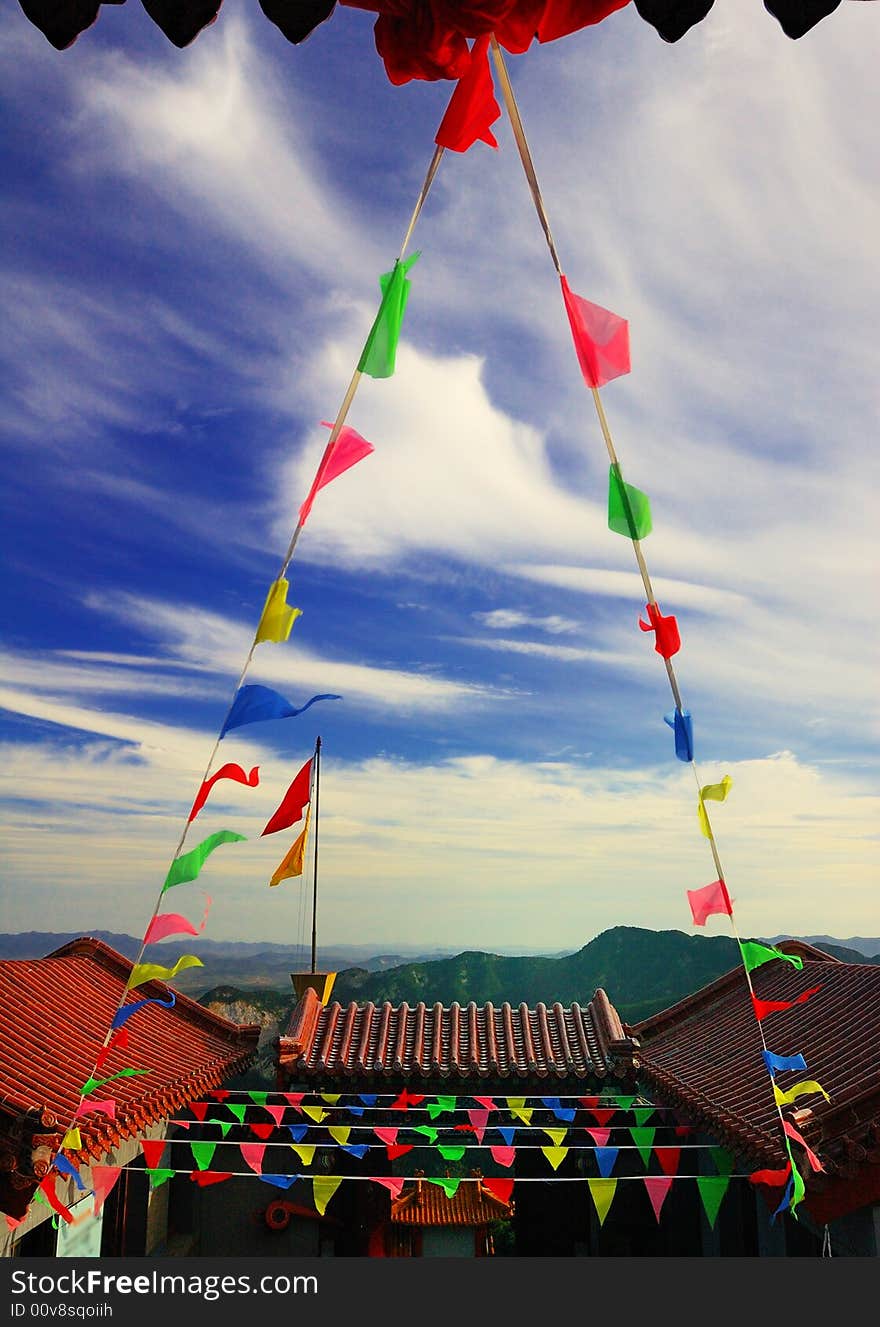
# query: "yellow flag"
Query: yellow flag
305,1152
324,1186
339,1132
555,1155
603,1195
799,1090
331,1098
515,1106
142,972
316,1113
293,862
712,792
72,1140
277,618
555,1135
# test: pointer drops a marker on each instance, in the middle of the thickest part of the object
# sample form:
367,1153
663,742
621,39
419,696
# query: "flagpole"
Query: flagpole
315,874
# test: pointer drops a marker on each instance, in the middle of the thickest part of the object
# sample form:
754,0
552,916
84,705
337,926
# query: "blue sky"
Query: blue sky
191,246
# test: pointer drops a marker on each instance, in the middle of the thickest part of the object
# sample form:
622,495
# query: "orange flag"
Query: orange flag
293,862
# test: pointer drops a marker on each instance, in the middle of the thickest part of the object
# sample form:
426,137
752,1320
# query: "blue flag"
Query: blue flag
253,702
778,1063
122,1015
683,725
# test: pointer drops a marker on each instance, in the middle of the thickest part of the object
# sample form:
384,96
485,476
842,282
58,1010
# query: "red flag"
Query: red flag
205,1177
295,799
234,772
346,451
603,1116
668,640
799,1138
765,1007
500,1189
261,1130
405,1100
47,1187
253,1155
119,1040
199,1109
601,338
472,107
152,1149
103,1179
708,900
775,1178
561,17
398,1150
391,1183
668,1158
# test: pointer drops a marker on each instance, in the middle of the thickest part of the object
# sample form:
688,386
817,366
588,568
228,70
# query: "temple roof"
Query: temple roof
456,1042
704,1055
472,1204
56,1014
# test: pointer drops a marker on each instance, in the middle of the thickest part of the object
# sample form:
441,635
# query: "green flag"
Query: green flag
723,1160
202,1154
157,1177
440,1106
712,1190
449,1186
450,1152
754,954
641,1116
644,1141
259,1098
430,1134
380,349
188,866
238,1109
629,509
92,1083
225,1126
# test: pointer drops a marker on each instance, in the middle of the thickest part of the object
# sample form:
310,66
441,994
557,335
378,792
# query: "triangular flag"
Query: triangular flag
773,1178
305,1152
277,1113
219,1094
331,1098
252,1154
601,338
403,1101
294,1099
711,792
500,1189
472,107
152,1149
505,1156
380,349
603,1116
658,1187
426,1129
231,771
316,1113
199,1109
224,1125
298,1131
479,1119
602,1192
67,1168
486,1102
668,1158
277,617
605,1159
103,1179
358,1150
395,1150
629,509
260,1129
158,1177
555,1135
765,1007
205,1177
600,1136
453,1152
238,1109
188,866
641,1115
712,1189
324,1187
644,1141
754,954
47,1188
293,863
368,1099
340,1133
446,1183
388,1136
555,1155
390,1182
339,455
441,1106
72,1140
293,803
507,1133
279,1181
254,703
708,900
561,1112
202,1154
624,1103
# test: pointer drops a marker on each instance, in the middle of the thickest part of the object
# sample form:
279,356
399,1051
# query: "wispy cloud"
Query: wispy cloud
505,619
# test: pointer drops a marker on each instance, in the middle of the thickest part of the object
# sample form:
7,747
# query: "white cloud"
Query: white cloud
505,619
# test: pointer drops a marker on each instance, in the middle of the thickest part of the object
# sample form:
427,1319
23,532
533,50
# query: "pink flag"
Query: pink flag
346,451
101,1107
277,1113
669,1158
391,1183
234,772
103,1179
172,923
600,1136
708,900
658,1186
253,1155
486,1102
798,1138
505,1156
479,1119
152,1149
387,1136
472,107
293,803
601,339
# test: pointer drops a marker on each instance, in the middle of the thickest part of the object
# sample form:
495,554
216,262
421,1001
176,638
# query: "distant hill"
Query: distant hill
861,944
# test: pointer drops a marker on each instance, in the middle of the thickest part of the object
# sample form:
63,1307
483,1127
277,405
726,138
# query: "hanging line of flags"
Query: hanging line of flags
601,341
470,112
